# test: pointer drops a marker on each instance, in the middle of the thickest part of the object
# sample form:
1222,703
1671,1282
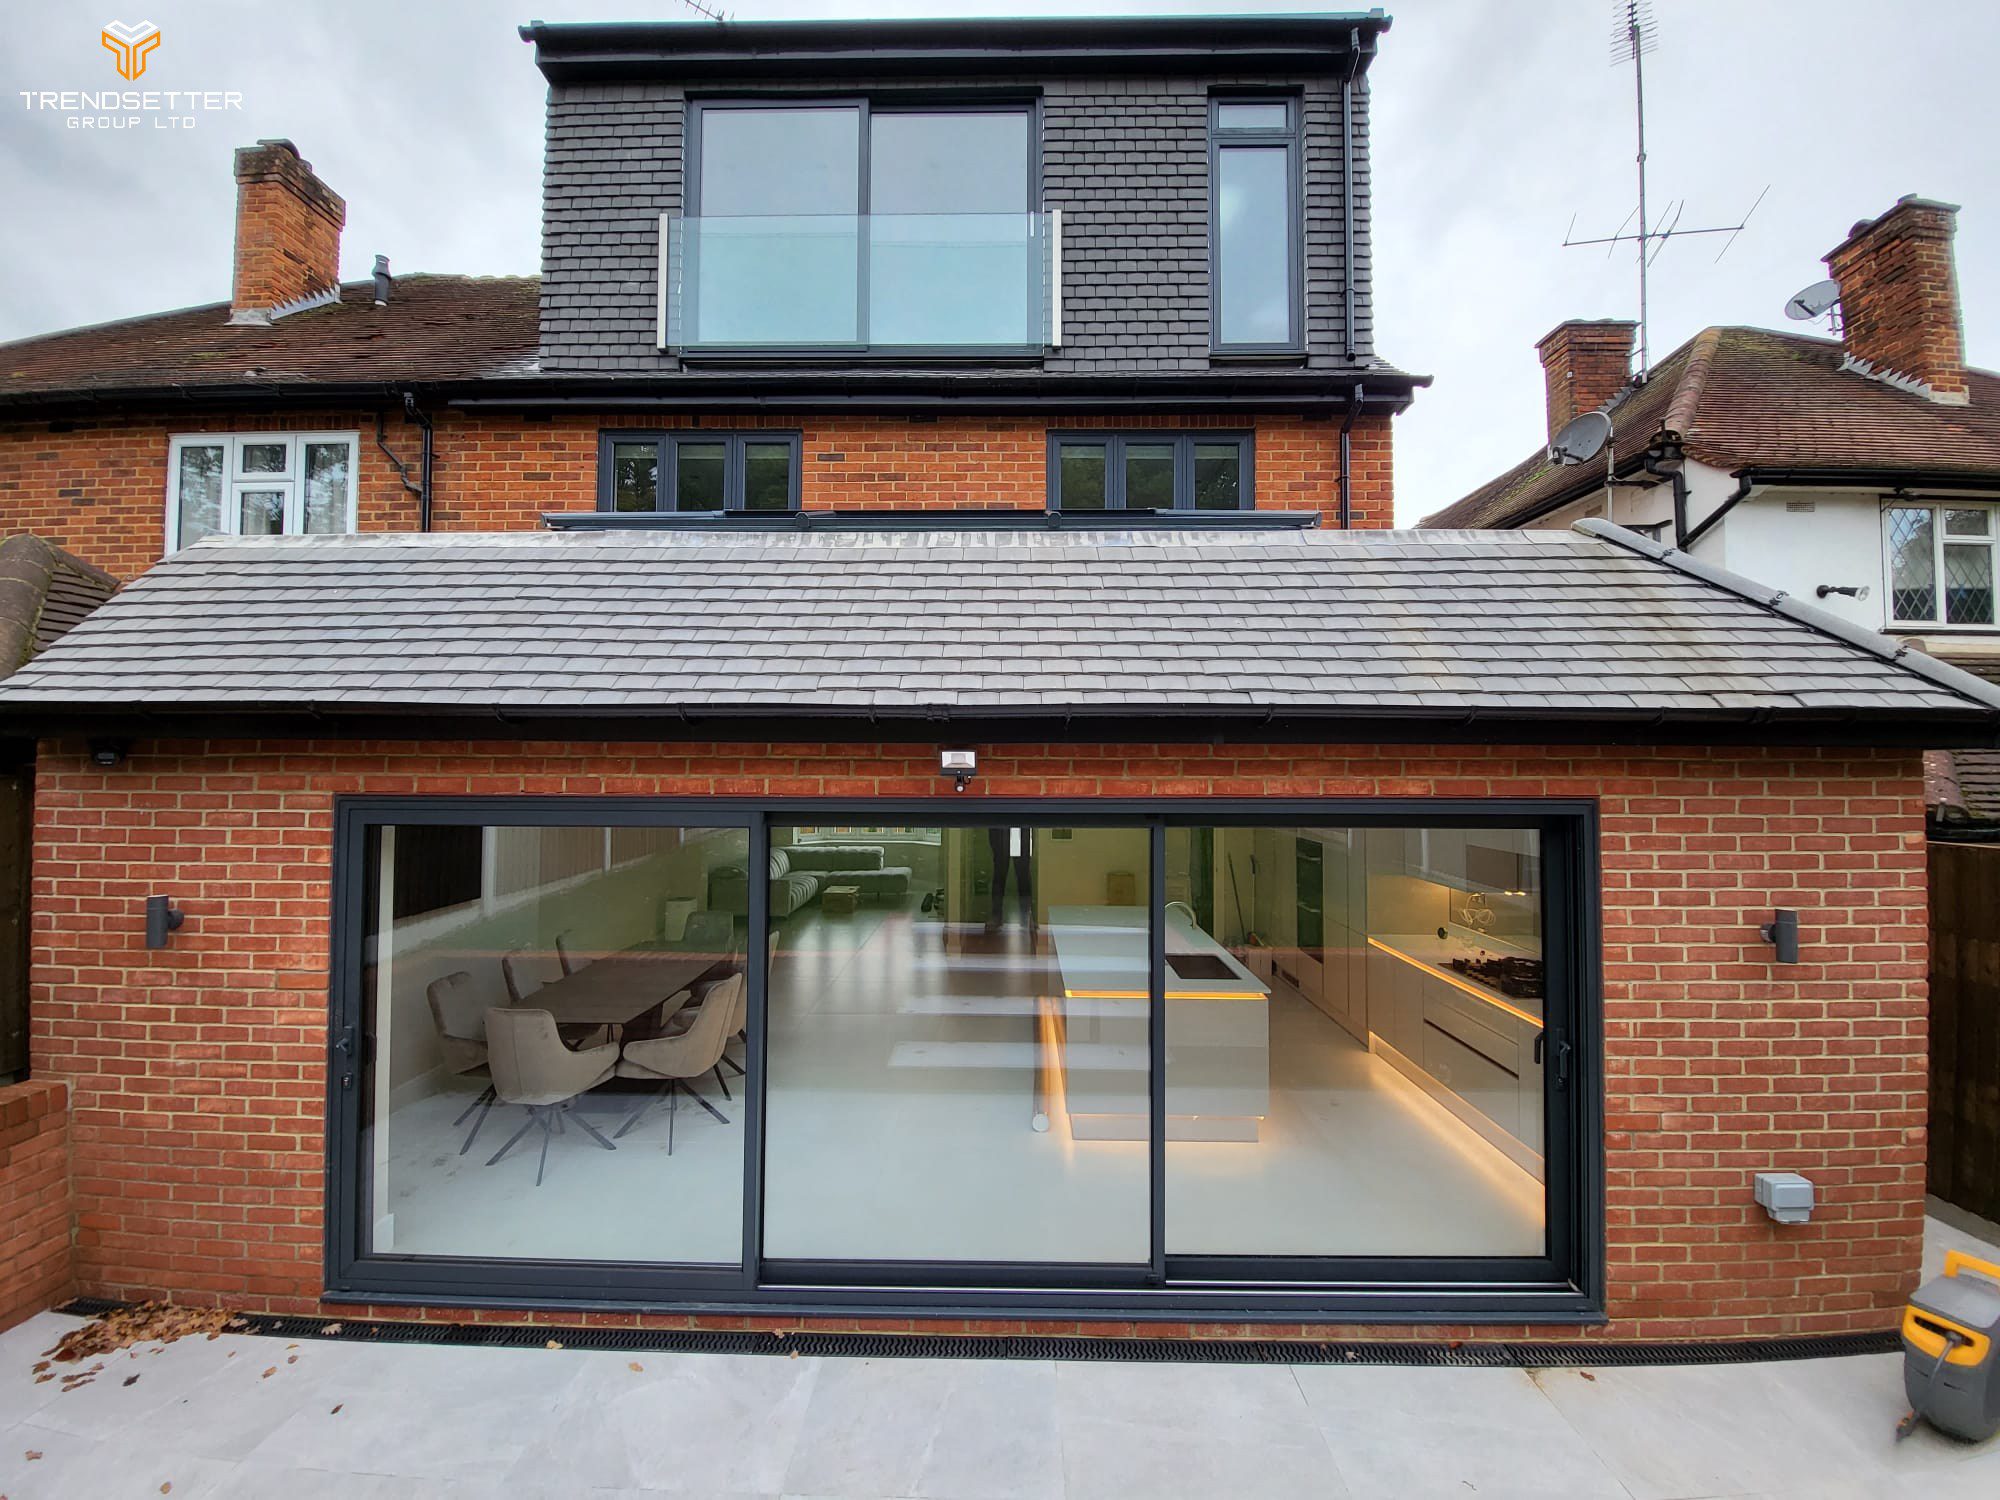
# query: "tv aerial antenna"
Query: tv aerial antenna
711,12
1634,33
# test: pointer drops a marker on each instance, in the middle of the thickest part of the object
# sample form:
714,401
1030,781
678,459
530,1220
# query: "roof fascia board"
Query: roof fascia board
1142,44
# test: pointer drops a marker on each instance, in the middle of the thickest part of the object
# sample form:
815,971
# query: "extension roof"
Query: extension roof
1750,398
1587,634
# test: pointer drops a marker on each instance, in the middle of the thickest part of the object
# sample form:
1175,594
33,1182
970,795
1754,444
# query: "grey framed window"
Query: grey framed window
861,225
698,470
1150,471
1940,562
1256,255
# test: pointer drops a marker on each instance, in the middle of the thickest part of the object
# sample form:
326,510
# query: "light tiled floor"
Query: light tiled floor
251,1418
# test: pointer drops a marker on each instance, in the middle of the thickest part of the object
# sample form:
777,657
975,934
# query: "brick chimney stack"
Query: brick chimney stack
1585,363
1899,300
288,227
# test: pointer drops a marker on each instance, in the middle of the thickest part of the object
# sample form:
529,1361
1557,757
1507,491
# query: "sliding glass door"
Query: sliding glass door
958,1049
1077,1055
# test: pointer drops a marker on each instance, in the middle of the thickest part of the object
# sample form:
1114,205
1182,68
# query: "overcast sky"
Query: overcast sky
1494,124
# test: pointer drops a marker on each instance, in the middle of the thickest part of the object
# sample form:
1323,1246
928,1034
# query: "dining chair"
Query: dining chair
675,1061
709,932
566,959
525,973
459,1014
531,1067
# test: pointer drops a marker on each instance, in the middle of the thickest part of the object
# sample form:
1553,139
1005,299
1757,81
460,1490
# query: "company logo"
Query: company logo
131,45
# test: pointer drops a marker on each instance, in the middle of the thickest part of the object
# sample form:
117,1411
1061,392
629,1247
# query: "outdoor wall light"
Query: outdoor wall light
959,765
109,754
1786,1196
1782,933
1852,590
162,917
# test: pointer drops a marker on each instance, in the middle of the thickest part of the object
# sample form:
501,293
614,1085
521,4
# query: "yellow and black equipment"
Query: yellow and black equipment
1951,1350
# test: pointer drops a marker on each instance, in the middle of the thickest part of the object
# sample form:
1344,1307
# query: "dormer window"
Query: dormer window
855,226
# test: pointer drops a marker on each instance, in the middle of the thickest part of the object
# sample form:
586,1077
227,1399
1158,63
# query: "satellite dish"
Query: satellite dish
1813,301
1582,440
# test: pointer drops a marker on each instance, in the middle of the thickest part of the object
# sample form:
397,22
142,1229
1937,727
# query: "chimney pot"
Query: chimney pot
288,227
1899,312
1585,362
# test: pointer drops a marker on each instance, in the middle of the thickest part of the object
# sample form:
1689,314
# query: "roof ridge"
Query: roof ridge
1680,414
1900,653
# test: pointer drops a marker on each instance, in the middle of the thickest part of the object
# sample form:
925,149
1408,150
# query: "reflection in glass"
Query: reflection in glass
1354,1042
635,476
546,1077
260,512
1912,563
1149,476
1082,475
1254,236
200,490
1268,114
701,476
767,476
265,458
326,488
958,1045
1968,585
1218,476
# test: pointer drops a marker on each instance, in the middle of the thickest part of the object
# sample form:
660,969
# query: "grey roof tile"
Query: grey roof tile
1519,623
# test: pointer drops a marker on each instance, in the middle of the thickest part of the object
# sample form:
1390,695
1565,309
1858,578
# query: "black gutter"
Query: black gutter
1347,459
943,48
1877,729
933,520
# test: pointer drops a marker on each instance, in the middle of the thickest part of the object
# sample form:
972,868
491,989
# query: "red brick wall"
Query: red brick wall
199,1070
99,488
35,1269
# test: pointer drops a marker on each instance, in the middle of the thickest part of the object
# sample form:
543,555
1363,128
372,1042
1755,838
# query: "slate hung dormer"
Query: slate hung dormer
1102,225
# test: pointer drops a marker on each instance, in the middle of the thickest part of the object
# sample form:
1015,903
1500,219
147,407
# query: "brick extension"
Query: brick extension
35,1208
98,489
199,1071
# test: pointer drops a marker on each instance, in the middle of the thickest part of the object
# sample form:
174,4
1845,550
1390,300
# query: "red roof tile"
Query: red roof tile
434,329
1740,398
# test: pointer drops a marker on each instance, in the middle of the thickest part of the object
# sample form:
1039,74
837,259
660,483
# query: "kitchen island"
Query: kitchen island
1218,1030
1473,1047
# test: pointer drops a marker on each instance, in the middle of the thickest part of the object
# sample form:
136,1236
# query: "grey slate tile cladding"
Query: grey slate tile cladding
1126,159
1515,624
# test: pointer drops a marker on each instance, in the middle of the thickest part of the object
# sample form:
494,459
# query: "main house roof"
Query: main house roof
1750,398
434,329
1468,633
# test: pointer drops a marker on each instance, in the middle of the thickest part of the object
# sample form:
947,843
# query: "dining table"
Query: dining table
620,987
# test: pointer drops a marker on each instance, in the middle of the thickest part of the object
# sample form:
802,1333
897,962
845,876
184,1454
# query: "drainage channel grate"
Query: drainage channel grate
1468,1354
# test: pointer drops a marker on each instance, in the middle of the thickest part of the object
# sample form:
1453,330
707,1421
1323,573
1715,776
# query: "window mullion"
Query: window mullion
1943,581
1184,472
1114,473
734,461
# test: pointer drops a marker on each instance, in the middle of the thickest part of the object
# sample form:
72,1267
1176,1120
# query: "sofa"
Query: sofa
799,872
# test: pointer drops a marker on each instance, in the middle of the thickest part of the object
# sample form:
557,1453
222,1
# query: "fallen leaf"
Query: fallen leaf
269,1373
40,1378
131,1379
33,1454
1587,1376
336,1408
636,1368
553,1344
291,1359
166,1487
330,1330
41,1365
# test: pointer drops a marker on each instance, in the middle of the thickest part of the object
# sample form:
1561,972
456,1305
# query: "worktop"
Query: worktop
1477,1051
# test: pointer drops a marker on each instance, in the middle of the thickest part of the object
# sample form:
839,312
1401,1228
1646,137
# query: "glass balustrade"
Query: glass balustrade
823,282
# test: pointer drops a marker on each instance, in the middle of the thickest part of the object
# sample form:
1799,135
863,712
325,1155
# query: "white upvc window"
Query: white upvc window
260,484
1939,561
